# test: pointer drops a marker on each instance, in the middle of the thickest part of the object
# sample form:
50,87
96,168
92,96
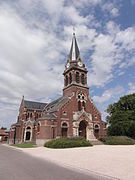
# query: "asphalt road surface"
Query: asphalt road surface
16,165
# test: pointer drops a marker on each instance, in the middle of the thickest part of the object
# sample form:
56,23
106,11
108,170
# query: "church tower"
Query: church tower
75,74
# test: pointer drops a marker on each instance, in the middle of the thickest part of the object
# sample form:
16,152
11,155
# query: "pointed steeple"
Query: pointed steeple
74,51
75,73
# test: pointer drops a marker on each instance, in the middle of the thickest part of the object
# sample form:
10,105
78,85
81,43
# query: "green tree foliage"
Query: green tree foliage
121,118
3,128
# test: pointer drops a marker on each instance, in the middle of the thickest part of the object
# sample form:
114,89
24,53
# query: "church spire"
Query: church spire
74,51
75,73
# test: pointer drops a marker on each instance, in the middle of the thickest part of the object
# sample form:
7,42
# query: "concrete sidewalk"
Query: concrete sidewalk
112,161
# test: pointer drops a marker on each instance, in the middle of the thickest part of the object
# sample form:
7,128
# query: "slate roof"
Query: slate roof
49,116
55,105
34,105
19,123
50,108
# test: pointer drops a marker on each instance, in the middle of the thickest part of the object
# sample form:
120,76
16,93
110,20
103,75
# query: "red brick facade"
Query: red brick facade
3,135
73,114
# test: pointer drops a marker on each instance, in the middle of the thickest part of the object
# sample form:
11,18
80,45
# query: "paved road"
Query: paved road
16,165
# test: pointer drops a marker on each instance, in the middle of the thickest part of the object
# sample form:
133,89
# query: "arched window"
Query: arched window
82,79
64,130
37,115
31,115
81,96
66,81
83,105
27,116
77,77
53,132
82,99
96,126
70,78
79,105
64,125
38,128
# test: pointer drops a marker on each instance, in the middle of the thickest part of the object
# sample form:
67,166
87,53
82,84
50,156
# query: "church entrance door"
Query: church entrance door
96,131
28,132
28,136
82,129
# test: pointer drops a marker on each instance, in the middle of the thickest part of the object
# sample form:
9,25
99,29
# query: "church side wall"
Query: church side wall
48,131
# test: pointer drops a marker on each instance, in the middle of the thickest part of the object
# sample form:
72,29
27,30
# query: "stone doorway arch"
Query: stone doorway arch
83,129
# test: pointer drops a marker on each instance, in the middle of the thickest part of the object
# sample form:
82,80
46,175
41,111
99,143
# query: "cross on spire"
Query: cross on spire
73,30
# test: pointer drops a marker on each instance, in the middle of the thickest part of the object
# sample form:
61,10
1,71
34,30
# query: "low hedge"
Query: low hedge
67,143
117,140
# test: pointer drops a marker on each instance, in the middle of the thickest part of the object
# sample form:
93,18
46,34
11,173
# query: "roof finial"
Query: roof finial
73,30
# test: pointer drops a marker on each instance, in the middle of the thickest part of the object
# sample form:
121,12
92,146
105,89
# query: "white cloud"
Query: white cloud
114,12
53,7
85,3
113,52
26,58
127,38
110,8
131,61
103,59
112,28
108,95
131,87
72,14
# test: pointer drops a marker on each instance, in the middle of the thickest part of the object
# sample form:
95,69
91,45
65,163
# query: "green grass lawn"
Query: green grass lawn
118,140
67,143
25,145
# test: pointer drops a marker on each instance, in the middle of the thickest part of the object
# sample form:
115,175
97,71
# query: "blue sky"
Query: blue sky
35,39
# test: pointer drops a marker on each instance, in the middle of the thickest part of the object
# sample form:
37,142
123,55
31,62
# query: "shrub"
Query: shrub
119,140
67,143
102,139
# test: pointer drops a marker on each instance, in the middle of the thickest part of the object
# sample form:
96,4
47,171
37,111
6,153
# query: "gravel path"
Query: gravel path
112,161
17,165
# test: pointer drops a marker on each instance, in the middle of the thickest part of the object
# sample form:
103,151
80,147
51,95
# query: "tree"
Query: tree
121,118
3,128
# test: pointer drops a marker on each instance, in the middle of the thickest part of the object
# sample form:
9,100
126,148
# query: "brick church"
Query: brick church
72,115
